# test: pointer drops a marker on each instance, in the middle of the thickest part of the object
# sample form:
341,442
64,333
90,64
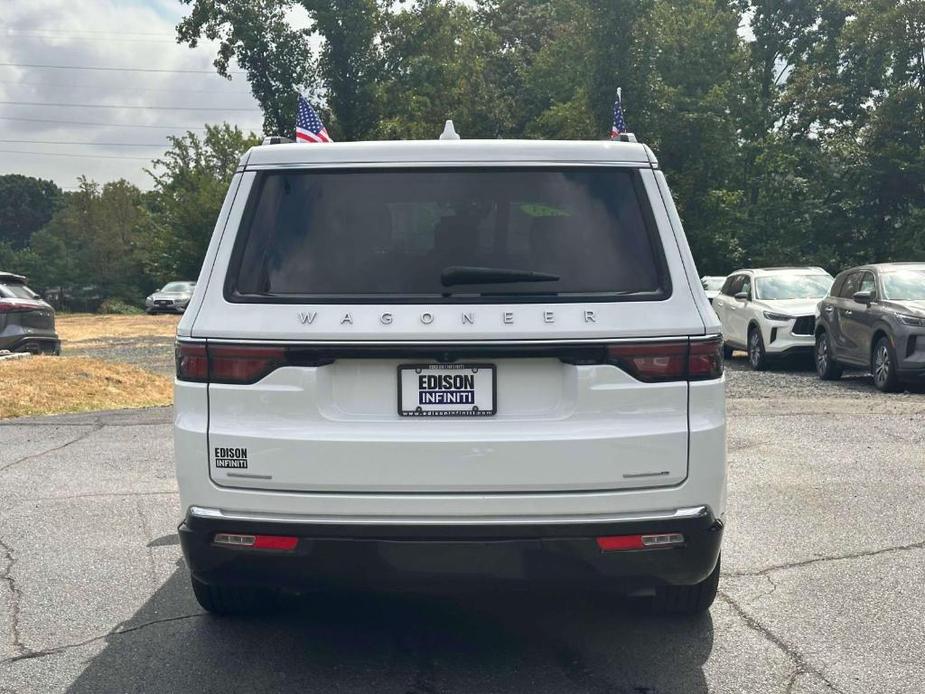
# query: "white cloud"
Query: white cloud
104,33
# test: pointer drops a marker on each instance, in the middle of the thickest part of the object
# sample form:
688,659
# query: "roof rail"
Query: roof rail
11,277
276,140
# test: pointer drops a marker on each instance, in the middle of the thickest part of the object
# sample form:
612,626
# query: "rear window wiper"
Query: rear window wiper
462,274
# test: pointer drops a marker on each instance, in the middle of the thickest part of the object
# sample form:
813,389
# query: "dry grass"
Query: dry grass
78,327
52,385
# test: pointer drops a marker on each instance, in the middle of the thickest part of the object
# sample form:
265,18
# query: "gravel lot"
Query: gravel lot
824,563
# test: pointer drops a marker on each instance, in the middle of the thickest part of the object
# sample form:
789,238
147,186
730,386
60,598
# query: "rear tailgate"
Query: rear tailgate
558,426
333,424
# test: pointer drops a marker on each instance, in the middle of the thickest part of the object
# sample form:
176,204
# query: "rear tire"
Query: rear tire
234,600
689,600
883,366
757,357
826,367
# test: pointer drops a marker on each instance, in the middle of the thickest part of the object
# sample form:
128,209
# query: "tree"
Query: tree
95,238
278,59
190,183
436,66
26,205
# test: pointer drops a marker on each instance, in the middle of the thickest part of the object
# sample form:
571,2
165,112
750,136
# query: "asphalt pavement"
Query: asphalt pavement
823,568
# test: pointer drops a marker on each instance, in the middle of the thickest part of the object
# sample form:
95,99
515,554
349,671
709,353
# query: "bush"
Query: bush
118,307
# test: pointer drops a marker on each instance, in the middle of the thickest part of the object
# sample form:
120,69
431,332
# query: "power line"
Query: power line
11,30
69,123
93,144
106,68
126,106
122,88
67,154
65,37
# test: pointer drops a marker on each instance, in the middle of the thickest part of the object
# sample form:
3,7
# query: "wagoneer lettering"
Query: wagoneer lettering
403,353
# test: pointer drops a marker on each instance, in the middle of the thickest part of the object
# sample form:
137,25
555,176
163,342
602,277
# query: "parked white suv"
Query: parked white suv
771,312
414,359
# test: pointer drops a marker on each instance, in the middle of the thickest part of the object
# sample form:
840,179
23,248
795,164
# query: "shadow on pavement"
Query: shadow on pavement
485,641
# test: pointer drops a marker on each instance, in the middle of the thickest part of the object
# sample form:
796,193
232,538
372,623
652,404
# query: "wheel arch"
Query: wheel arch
879,331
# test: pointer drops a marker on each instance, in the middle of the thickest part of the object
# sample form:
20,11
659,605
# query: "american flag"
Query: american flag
619,125
308,126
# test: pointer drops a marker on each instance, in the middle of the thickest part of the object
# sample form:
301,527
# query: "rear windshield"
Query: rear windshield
448,235
16,291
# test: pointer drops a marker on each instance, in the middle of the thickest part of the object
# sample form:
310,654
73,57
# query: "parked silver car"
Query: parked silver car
173,297
27,323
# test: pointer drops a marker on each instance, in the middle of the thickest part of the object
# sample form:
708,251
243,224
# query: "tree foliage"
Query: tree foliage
791,131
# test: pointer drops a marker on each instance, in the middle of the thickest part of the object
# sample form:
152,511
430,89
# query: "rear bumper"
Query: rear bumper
397,556
37,342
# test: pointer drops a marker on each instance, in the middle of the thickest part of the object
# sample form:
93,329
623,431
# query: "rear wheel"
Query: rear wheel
826,368
693,599
230,600
883,366
757,357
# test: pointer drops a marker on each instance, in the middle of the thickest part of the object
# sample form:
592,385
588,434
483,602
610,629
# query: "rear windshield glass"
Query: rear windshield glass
447,234
16,291
781,287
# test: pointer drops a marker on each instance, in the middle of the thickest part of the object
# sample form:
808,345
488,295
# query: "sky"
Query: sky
58,123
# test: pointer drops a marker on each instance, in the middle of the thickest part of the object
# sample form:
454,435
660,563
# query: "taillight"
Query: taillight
243,364
239,364
658,362
16,307
706,359
192,362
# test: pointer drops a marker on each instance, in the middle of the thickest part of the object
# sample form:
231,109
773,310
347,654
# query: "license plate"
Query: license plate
446,390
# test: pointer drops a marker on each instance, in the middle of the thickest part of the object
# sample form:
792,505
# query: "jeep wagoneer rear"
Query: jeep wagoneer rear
405,360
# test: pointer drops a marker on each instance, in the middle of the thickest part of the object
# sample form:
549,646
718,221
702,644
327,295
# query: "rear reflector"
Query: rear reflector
278,542
616,543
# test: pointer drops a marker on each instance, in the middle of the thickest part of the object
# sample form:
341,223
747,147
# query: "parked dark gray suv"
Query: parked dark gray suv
874,317
27,324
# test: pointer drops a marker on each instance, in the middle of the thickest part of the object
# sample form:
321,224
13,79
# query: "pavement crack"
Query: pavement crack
118,631
802,666
15,599
819,560
95,428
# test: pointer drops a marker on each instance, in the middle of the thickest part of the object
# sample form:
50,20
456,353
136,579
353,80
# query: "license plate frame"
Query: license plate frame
467,369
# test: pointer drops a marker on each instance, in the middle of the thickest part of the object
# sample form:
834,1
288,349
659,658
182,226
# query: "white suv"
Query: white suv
771,312
405,360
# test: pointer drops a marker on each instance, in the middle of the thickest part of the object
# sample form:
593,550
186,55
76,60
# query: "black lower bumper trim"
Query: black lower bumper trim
406,556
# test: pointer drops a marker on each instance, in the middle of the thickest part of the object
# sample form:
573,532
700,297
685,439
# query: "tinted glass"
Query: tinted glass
713,284
781,287
867,283
904,285
733,285
852,284
389,234
16,291
746,285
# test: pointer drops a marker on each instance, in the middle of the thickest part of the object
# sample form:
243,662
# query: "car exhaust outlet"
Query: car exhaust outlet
283,543
618,543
